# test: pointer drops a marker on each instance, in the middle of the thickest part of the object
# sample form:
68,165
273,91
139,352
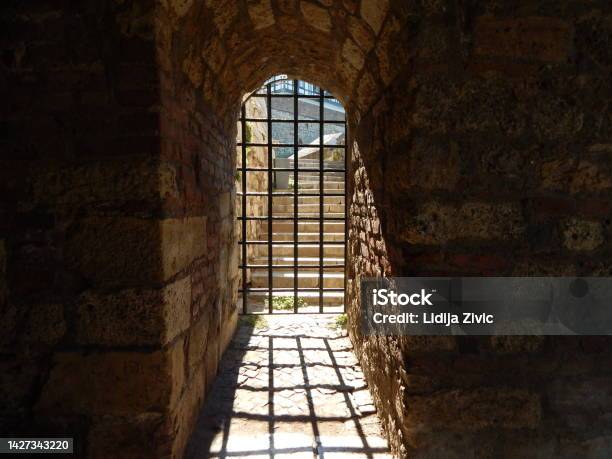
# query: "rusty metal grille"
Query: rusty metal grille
292,134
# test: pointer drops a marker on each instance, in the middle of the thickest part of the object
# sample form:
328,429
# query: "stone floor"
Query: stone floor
289,387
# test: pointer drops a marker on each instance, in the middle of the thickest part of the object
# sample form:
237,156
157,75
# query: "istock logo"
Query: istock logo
383,297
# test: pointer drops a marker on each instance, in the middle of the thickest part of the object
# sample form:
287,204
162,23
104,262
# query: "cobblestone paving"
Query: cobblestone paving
289,388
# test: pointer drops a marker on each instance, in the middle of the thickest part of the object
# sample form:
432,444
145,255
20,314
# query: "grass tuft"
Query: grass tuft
341,321
285,303
254,321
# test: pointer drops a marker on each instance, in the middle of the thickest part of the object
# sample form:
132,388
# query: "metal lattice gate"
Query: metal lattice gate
291,173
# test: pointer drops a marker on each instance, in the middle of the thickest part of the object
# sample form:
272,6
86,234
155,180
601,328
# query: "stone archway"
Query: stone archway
116,245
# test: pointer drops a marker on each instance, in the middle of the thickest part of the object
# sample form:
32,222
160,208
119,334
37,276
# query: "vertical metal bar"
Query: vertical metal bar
321,193
270,272
346,150
295,195
244,237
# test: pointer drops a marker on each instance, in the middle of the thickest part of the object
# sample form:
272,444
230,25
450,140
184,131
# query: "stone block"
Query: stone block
517,344
592,177
183,418
3,258
316,16
472,410
261,13
426,165
540,38
437,223
134,317
361,33
353,54
18,377
129,251
582,235
131,437
113,383
198,340
575,401
374,12
103,182
183,241
45,325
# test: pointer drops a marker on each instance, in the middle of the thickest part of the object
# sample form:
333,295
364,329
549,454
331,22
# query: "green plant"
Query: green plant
254,321
249,133
341,321
285,303
238,176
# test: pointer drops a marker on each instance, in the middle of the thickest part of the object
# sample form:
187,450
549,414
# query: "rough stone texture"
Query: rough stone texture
485,156
256,206
117,280
480,137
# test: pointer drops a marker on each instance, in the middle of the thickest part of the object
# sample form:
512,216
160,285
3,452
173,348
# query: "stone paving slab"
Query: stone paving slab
289,388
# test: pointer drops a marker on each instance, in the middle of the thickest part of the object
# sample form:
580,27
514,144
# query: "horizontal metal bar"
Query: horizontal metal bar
289,96
292,312
291,266
284,120
289,145
290,219
290,289
288,193
286,169
277,243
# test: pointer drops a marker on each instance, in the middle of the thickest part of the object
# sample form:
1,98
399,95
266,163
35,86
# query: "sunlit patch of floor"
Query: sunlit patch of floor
291,387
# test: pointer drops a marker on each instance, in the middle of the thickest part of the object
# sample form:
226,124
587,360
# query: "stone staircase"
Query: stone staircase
308,253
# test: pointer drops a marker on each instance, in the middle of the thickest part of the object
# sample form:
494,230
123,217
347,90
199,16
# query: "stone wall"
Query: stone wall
117,295
488,154
481,138
256,206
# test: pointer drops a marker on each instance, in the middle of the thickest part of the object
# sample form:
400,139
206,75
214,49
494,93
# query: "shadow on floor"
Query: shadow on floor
290,387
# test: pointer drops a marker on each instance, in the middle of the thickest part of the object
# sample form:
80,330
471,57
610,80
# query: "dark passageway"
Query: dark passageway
479,140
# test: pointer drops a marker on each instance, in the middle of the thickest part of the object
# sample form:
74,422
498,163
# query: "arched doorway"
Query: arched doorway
291,199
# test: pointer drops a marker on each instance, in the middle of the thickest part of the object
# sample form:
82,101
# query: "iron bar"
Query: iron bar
270,216
296,160
322,197
244,205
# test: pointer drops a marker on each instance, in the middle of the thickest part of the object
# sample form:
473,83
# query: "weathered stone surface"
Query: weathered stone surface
180,7
116,383
3,286
18,376
541,38
135,317
512,344
45,325
126,437
428,165
353,54
261,13
316,16
374,13
127,251
436,223
582,235
102,182
466,411
198,340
